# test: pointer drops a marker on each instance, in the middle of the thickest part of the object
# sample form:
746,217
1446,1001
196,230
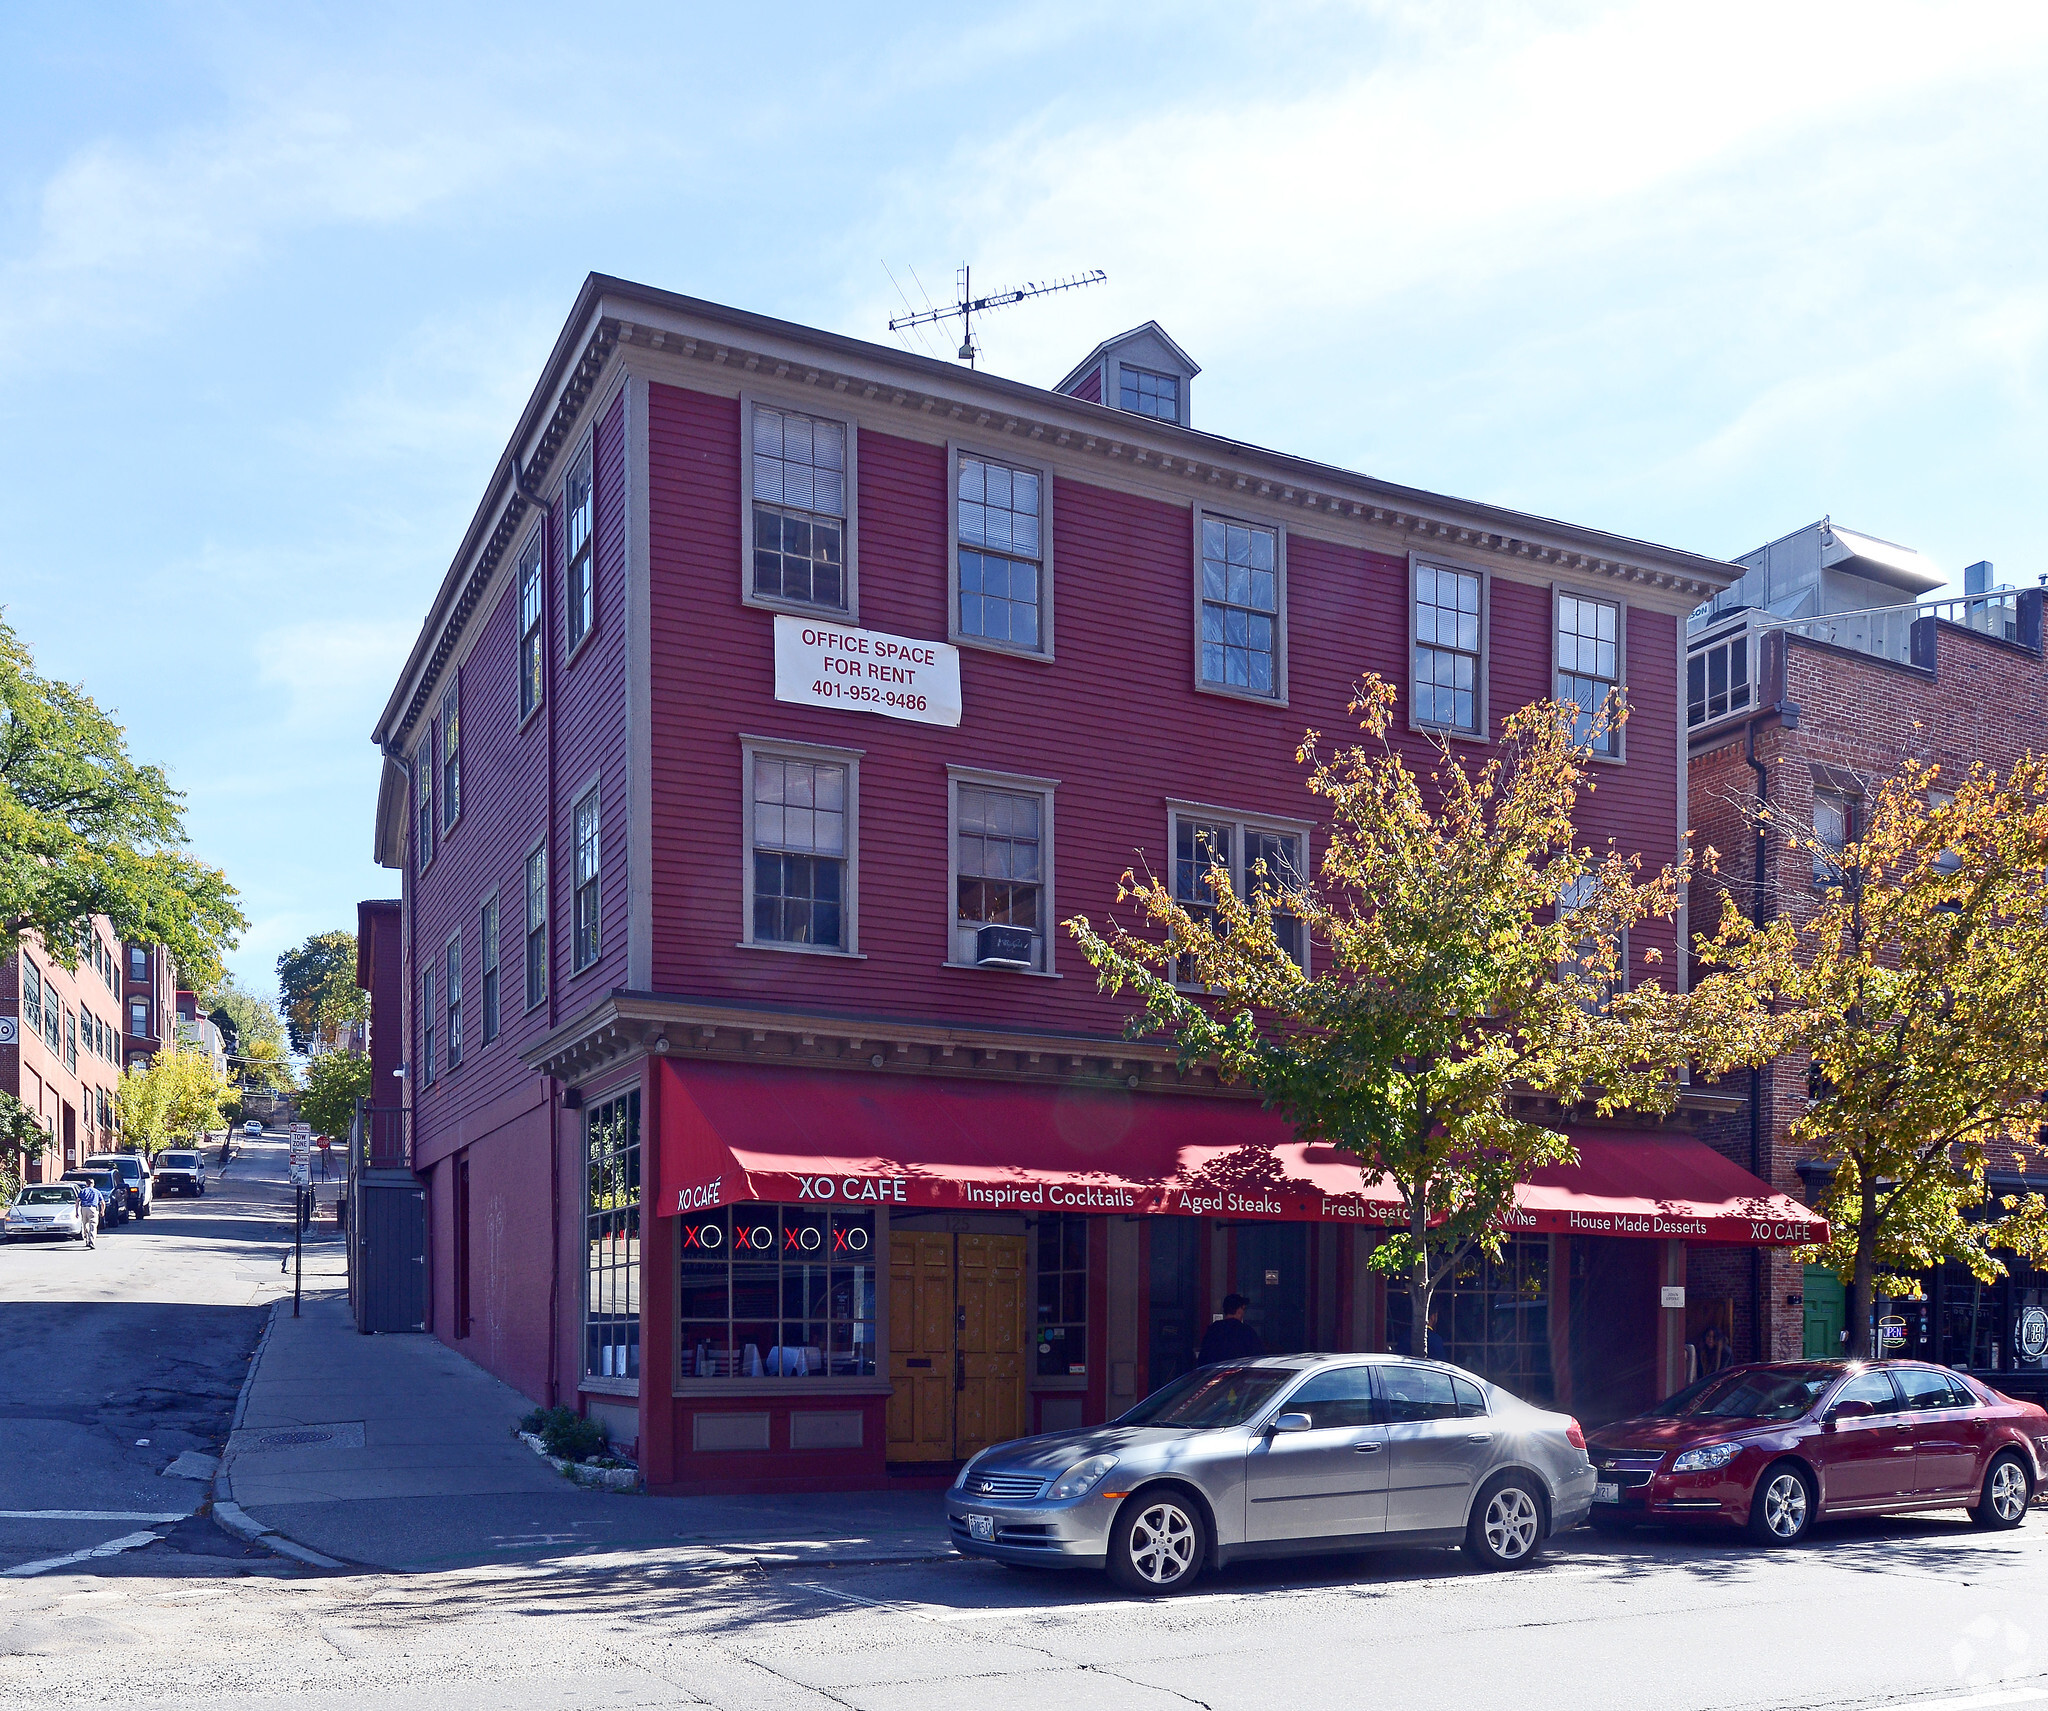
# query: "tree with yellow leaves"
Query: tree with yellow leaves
1918,981
175,1097
1468,959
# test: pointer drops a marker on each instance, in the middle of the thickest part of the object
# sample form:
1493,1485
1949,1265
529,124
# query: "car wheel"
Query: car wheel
1157,1543
2006,1494
1781,1508
1507,1527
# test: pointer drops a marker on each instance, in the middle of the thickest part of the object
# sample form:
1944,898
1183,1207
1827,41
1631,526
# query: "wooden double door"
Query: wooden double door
956,1343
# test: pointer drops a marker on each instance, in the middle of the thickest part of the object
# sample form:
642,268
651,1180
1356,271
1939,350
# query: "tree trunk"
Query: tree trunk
1418,1272
1863,1276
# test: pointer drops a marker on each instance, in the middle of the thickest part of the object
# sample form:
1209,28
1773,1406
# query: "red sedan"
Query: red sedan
1776,1447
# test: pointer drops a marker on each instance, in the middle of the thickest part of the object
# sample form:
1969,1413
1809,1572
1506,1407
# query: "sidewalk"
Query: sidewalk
395,1452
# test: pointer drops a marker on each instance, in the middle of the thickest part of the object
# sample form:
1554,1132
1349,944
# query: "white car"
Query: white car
252,1127
44,1209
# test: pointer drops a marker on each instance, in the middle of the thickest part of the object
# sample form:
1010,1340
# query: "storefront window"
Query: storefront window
777,1292
1491,1317
1062,1340
611,1207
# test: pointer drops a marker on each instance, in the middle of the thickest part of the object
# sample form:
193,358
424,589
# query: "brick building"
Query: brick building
65,1059
784,695
1805,694
149,1001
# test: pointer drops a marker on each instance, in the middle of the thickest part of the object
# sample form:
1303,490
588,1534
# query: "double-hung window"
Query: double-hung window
487,951
532,616
536,924
1001,553
70,1042
1255,855
578,516
451,755
802,832
1834,830
1242,645
1002,870
427,1028
31,999
1599,986
451,988
1589,668
1449,664
138,1018
1146,393
798,468
53,1016
138,963
423,786
587,899
611,1233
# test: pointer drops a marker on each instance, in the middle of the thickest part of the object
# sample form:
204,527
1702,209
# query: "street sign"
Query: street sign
1673,1294
10,1031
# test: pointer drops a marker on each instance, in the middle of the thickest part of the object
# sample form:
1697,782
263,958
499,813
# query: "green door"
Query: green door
1824,1309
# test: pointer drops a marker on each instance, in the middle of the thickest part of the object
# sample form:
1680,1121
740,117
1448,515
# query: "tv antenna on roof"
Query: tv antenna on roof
970,305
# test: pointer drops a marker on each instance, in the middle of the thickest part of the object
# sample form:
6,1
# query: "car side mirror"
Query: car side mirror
1847,1411
1293,1423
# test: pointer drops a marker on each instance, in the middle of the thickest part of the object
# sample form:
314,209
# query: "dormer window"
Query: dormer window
1147,394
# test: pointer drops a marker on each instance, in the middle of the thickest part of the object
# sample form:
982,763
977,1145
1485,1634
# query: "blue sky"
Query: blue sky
274,282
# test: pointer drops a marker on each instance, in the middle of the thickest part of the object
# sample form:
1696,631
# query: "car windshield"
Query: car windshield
47,1194
1768,1394
178,1161
1209,1397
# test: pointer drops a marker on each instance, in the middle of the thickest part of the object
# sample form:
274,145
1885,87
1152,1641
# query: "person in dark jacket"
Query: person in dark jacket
1230,1338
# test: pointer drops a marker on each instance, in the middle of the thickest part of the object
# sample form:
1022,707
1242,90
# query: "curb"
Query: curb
590,1478
229,1515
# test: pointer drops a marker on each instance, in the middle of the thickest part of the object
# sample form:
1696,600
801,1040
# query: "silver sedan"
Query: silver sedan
1281,1457
44,1209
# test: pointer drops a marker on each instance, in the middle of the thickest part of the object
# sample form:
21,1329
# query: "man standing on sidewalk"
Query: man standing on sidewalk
90,1200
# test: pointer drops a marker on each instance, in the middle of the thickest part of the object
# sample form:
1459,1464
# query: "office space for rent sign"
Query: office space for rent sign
866,671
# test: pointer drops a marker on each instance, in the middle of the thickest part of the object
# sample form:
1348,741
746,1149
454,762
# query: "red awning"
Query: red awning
736,1132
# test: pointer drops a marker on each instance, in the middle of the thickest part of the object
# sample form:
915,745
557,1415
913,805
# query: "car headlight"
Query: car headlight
1706,1457
1081,1478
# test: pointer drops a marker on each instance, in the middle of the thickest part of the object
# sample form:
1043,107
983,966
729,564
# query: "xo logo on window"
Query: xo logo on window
703,1236
850,1240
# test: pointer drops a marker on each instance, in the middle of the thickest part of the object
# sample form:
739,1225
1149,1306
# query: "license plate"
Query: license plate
1606,1491
981,1526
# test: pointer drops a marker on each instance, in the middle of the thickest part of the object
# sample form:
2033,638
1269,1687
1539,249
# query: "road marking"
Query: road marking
91,1515
1970,1702
127,1542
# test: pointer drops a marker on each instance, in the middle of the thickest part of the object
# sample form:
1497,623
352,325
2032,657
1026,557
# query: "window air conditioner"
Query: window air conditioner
1003,947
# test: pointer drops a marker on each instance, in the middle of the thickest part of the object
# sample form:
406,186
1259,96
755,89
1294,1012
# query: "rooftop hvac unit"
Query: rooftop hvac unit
1003,947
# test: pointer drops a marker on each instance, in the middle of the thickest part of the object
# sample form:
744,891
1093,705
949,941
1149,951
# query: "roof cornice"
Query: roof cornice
615,315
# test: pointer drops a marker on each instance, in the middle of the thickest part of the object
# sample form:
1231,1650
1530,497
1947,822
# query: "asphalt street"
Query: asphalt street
120,1358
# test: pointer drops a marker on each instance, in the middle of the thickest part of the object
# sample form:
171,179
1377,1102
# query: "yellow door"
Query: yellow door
989,1400
921,1314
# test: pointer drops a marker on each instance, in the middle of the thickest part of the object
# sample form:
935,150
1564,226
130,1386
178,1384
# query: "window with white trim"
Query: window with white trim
1255,856
138,1018
578,520
1241,607
1448,662
1146,393
138,963
800,836
586,900
423,787
611,1234
487,948
798,467
536,925
1599,989
1589,666
1001,864
532,619
999,552
451,754
451,991
1834,830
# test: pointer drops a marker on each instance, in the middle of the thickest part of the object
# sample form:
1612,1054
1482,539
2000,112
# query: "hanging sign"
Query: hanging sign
10,1031
2030,1333
866,671
1891,1333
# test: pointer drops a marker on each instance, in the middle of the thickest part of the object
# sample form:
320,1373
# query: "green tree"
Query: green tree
318,983
334,1082
85,831
1468,958
1914,977
21,1133
263,1064
175,1098
243,1017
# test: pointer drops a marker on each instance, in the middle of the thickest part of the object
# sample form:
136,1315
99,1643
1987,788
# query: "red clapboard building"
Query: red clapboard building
784,695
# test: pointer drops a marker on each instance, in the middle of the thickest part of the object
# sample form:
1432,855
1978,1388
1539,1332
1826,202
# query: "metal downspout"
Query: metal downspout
1756,1076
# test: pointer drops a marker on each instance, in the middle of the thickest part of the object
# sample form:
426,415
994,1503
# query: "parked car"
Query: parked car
139,1190
180,1171
252,1127
42,1210
1284,1456
114,1209
1778,1446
